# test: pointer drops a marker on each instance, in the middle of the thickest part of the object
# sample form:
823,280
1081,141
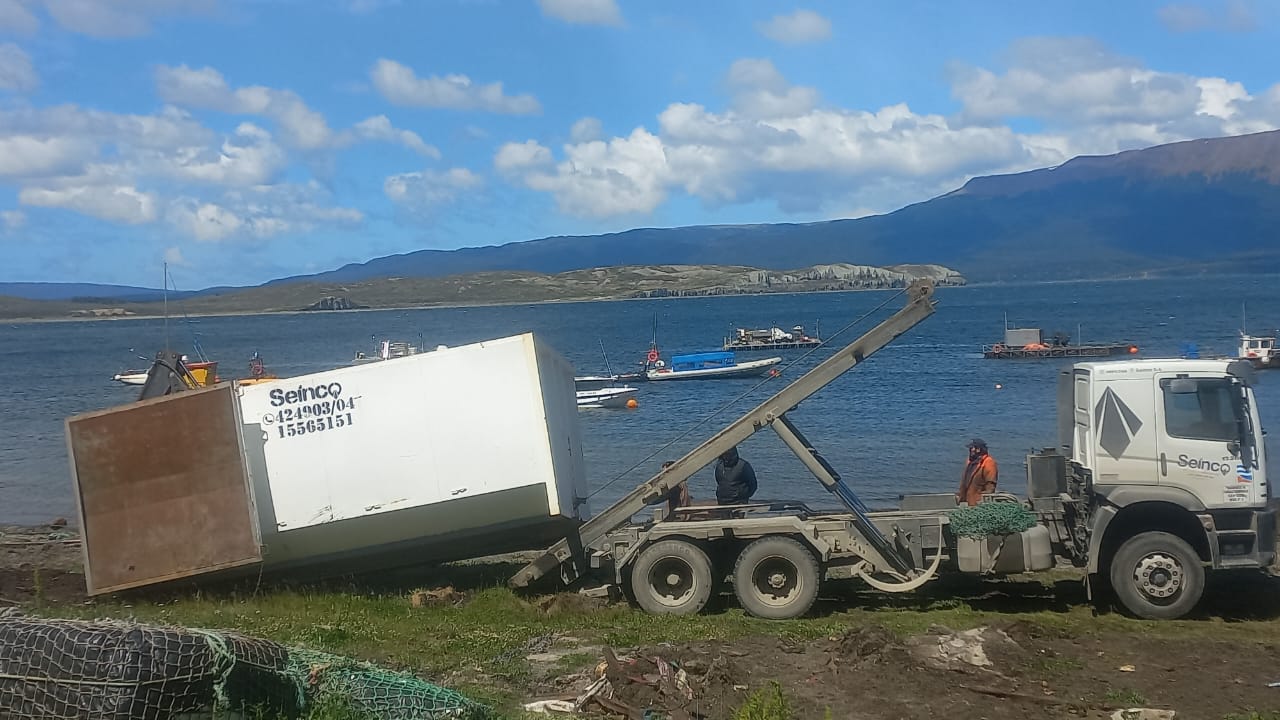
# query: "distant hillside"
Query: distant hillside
1192,207
508,287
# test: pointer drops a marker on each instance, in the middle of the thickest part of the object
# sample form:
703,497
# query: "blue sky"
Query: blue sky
243,140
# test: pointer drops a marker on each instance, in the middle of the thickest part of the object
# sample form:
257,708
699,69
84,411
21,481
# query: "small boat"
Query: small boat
708,365
596,382
389,350
205,374
607,397
257,372
1259,350
773,338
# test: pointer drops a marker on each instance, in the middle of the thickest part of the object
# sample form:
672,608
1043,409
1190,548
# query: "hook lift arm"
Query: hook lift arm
568,555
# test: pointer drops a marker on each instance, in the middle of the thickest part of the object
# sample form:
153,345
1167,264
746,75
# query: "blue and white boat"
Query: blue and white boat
707,365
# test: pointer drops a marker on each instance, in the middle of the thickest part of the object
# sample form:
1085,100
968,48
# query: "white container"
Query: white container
460,452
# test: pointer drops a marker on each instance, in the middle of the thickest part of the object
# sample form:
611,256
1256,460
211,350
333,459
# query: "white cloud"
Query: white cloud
173,256
300,126
761,91
801,26
1184,17
206,89
1235,16
258,213
379,127
16,17
421,190
140,169
12,219
603,179
515,157
583,12
16,71
118,18
586,130
248,157
26,156
776,141
400,85
115,203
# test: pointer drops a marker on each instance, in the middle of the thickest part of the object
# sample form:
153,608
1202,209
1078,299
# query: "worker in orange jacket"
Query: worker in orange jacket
980,475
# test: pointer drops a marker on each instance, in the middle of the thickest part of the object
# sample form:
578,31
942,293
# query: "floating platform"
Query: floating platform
1030,344
773,338
1001,352
773,345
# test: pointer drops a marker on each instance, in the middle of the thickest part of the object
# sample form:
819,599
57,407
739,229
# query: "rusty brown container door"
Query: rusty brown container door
162,490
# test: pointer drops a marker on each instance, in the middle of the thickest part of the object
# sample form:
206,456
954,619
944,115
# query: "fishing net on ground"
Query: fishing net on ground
991,518
109,670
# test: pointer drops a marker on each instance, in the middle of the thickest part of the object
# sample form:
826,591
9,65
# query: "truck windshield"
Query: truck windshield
1202,409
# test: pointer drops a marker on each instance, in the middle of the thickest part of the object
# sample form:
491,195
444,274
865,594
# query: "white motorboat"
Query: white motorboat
389,350
607,397
708,365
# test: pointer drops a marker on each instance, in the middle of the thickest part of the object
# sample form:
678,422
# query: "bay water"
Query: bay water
896,425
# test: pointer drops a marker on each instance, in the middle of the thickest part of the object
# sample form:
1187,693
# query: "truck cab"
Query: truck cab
1166,477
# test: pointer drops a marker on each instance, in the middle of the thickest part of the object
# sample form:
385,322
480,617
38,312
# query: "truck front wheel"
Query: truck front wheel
1157,576
672,577
776,578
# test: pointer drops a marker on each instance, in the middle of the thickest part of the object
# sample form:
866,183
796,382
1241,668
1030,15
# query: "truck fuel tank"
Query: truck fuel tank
1027,551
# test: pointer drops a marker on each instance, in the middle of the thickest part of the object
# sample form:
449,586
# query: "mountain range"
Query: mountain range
1200,206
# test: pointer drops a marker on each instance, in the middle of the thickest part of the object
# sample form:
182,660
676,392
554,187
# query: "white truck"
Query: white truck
1160,475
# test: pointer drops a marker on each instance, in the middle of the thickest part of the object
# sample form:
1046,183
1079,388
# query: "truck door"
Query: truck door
1205,439
1124,443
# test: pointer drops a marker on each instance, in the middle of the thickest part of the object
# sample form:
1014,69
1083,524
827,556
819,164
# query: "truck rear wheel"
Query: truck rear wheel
672,577
1157,576
776,578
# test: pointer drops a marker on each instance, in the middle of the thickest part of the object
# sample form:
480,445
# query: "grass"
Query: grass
1253,715
1126,697
480,647
767,703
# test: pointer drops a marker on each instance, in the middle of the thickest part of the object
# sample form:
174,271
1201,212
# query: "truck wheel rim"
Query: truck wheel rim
1158,576
776,581
673,581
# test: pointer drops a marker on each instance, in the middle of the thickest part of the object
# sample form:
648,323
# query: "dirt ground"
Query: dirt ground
868,673
1003,670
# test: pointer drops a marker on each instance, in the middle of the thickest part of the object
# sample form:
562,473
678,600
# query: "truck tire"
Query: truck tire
672,577
1157,576
776,578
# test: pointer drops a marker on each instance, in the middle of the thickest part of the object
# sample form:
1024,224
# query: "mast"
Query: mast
165,293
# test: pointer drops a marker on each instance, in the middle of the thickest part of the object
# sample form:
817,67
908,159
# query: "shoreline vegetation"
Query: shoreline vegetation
491,289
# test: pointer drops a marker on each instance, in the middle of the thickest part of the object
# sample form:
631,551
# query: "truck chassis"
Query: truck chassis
776,555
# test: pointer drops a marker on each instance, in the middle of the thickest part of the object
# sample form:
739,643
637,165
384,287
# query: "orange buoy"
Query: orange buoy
632,404
1133,349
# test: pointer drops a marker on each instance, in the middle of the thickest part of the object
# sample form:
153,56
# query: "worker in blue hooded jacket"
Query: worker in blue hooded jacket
735,480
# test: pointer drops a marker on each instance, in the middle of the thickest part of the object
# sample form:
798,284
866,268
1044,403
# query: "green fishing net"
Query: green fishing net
991,518
113,670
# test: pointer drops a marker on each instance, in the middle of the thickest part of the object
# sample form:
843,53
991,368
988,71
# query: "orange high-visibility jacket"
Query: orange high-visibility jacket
980,477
